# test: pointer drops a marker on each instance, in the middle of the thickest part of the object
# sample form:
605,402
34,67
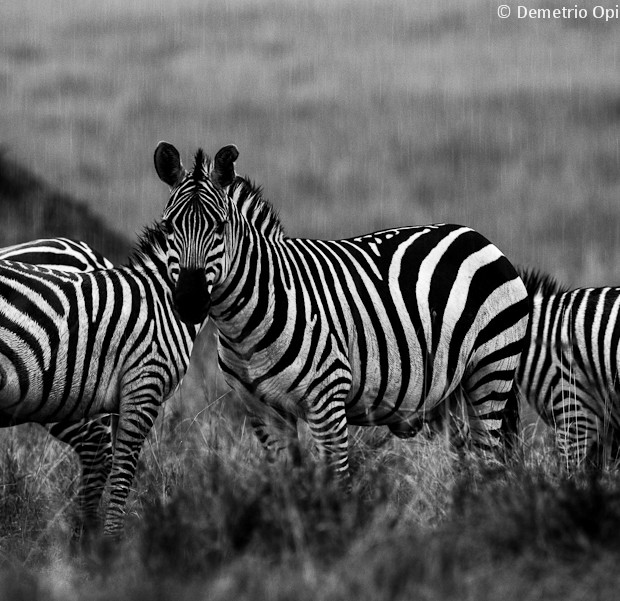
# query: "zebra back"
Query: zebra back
57,253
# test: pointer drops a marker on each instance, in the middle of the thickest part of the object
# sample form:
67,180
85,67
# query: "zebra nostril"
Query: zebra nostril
192,300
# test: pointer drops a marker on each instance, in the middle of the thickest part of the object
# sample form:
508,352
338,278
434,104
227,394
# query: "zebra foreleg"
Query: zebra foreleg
134,424
92,440
328,424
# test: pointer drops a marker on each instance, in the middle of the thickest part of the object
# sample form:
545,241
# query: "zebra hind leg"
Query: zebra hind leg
276,430
451,419
492,407
510,429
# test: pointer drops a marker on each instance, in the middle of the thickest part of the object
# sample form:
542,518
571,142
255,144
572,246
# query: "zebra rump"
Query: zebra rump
90,438
569,370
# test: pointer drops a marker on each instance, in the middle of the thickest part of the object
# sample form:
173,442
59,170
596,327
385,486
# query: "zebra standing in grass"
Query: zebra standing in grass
74,345
90,438
380,329
570,369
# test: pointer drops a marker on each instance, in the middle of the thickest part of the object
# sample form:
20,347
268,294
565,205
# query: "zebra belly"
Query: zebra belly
381,402
245,380
24,396
402,389
391,410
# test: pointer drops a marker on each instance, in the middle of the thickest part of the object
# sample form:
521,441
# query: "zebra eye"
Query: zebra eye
219,228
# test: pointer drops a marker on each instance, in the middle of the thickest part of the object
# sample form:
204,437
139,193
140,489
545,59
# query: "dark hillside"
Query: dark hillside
30,209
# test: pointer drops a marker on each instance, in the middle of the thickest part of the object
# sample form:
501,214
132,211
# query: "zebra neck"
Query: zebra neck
151,256
154,268
154,271
258,278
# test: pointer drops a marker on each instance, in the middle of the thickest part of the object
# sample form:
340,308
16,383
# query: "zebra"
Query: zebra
75,345
569,370
91,439
380,329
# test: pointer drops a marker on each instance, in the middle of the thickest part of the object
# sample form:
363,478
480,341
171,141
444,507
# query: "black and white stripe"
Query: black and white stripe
569,370
57,253
379,329
75,345
91,438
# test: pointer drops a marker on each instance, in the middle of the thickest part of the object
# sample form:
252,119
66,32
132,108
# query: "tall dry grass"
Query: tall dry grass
209,518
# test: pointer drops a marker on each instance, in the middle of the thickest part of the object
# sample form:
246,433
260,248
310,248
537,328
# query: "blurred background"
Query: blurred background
352,115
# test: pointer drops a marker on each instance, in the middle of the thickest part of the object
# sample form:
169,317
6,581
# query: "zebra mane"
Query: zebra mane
537,281
152,244
258,211
200,168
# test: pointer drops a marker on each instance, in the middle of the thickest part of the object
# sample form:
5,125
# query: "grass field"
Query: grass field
353,116
209,520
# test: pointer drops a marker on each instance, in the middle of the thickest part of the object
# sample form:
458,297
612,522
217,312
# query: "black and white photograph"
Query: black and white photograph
311,300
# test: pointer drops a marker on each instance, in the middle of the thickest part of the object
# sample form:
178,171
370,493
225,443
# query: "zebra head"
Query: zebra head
195,219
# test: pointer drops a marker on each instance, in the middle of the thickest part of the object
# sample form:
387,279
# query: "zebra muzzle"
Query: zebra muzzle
192,299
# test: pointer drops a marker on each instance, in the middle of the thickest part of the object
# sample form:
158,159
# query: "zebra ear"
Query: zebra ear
168,164
223,172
